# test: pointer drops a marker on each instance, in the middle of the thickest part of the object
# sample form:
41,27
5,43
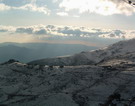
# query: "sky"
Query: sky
88,22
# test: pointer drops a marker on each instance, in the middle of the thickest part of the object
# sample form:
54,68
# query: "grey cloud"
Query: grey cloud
32,30
6,29
111,35
41,32
74,32
115,34
25,30
58,30
70,31
98,30
118,32
79,32
50,26
133,32
3,30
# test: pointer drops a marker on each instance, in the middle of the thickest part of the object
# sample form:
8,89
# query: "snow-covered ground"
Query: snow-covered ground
110,81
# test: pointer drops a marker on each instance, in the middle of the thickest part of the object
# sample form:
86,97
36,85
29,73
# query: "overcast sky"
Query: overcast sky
55,20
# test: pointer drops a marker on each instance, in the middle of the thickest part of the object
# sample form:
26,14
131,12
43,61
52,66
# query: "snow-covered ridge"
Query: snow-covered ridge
91,57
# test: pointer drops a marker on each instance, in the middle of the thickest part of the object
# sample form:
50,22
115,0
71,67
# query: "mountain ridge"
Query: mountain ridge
91,57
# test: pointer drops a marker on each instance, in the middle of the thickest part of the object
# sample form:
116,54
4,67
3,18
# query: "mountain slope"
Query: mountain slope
92,57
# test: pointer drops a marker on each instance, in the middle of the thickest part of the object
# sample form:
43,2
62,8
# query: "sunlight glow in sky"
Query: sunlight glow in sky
103,7
97,6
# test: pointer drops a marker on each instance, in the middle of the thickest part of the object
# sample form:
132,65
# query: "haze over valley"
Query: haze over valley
26,52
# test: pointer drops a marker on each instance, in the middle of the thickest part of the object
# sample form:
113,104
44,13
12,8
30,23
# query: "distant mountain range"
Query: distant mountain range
26,52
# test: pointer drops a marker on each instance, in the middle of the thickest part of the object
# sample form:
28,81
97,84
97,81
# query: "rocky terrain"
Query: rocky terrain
109,80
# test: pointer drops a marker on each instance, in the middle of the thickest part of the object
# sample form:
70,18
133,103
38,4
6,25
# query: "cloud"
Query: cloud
103,7
63,34
62,14
3,30
25,30
34,8
33,30
79,31
55,31
8,29
26,7
4,7
41,32
119,34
